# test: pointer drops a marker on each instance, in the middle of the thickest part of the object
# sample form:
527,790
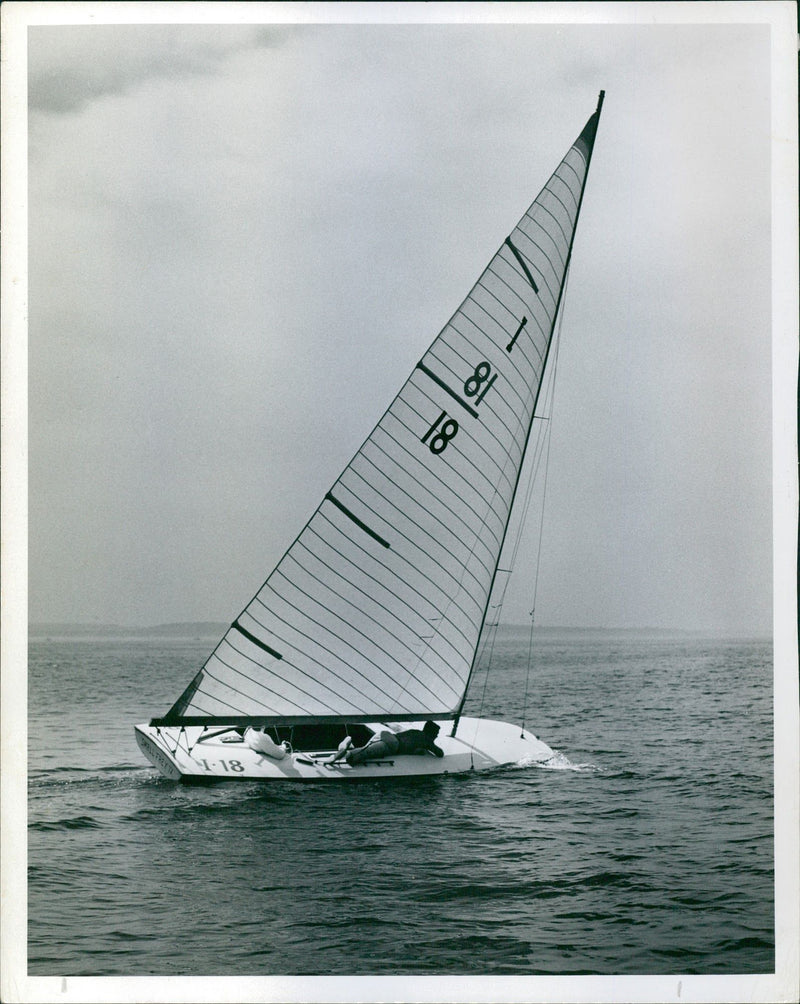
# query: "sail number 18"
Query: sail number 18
445,428
481,376
440,433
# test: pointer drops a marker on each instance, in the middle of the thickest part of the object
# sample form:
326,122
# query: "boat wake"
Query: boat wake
557,761
112,776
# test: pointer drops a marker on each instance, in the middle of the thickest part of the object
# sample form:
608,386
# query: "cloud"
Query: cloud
69,67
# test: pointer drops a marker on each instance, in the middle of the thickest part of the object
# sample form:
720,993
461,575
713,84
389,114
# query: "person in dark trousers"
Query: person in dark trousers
414,742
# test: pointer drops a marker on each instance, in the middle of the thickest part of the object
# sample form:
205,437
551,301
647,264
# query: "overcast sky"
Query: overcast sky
242,238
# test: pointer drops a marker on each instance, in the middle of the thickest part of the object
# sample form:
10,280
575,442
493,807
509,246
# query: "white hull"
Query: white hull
183,754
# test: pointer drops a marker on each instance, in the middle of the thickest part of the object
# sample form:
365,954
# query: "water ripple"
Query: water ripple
643,845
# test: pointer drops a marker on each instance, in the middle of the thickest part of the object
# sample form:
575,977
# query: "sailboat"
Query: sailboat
370,623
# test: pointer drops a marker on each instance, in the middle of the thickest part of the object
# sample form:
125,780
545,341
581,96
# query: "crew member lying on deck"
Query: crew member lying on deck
410,741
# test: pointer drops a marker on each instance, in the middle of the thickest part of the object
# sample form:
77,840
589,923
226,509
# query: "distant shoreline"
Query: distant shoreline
215,630
188,629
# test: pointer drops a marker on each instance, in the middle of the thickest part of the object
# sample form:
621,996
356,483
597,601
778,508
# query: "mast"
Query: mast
589,132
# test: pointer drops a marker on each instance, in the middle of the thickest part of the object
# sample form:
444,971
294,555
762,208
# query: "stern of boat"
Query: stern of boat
156,747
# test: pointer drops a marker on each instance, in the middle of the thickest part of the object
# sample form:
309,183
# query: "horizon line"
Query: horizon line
218,625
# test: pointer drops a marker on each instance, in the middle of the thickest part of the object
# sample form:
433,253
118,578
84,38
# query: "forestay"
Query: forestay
375,611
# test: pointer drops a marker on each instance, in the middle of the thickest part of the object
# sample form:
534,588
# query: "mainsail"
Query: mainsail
374,613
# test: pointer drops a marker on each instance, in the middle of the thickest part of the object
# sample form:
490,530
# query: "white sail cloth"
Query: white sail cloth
375,610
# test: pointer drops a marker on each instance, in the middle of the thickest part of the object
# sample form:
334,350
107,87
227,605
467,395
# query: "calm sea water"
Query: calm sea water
645,847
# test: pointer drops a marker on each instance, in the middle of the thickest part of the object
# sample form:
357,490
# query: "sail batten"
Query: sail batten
375,610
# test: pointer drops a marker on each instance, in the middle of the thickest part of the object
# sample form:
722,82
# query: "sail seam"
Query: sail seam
401,511
378,624
495,343
537,268
421,573
519,230
530,308
323,627
207,714
354,585
483,427
429,492
220,700
459,477
555,220
523,382
303,652
559,200
415,501
405,582
558,177
244,675
361,651
483,285
489,405
419,527
442,459
561,261
463,573
406,606
528,305
555,267
418,571
505,333
558,266
298,669
565,163
352,702
503,328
